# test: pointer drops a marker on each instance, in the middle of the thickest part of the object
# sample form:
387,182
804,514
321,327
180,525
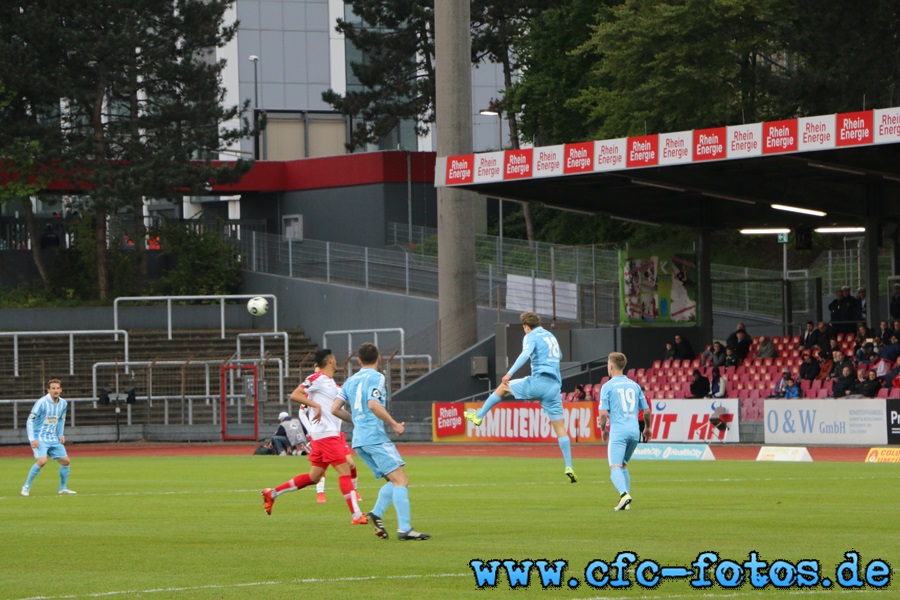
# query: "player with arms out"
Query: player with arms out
328,446
541,347
46,433
365,394
620,401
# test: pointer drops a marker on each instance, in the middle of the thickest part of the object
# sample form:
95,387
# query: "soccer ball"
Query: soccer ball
257,306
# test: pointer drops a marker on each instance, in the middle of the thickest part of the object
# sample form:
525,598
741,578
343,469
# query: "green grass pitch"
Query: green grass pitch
194,527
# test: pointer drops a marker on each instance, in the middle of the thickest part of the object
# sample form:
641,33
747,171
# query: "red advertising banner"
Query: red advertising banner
579,158
643,151
709,144
780,136
512,422
854,128
673,421
517,164
459,169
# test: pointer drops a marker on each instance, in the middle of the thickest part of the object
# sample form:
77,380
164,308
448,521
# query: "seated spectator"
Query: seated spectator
870,385
833,345
825,365
699,385
845,384
766,348
807,338
840,361
579,393
780,385
880,365
716,384
730,359
714,356
683,349
741,345
670,351
280,441
884,332
863,332
891,352
732,338
791,389
809,368
822,336
862,351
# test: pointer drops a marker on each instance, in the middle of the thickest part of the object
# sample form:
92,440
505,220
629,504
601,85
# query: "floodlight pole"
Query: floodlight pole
255,60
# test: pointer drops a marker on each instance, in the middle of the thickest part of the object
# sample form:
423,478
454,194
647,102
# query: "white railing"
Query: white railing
15,335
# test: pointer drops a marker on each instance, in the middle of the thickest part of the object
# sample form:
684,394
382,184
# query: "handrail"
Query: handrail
262,346
220,297
72,333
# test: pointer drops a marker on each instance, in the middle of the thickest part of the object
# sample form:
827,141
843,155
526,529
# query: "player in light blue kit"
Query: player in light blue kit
620,401
544,384
46,434
365,395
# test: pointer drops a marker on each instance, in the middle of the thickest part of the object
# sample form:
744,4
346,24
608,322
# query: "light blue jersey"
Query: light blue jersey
542,348
47,421
622,398
364,385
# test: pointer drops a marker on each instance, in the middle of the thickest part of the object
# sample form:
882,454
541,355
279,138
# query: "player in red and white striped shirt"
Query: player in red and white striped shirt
328,445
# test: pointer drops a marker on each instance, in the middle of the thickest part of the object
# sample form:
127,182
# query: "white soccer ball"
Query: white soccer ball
257,306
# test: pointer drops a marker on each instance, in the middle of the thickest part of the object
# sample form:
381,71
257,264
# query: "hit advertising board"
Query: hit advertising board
672,421
826,421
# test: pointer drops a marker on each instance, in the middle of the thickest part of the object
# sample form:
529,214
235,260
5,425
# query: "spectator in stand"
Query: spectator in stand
683,349
891,352
579,393
766,348
670,351
791,389
833,345
714,356
870,386
731,360
807,337
895,304
825,365
732,338
822,336
840,361
699,385
896,330
809,368
880,365
862,304
741,345
862,348
885,332
843,310
779,390
845,384
863,332
716,384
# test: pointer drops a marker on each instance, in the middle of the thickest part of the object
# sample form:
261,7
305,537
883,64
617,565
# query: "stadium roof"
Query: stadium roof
845,165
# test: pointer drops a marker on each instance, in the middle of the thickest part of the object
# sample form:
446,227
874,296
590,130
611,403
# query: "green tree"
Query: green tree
670,65
124,99
394,70
552,73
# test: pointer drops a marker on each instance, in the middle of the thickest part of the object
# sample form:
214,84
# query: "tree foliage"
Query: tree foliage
123,97
394,71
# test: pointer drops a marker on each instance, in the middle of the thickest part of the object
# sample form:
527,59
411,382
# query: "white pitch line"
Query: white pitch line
245,585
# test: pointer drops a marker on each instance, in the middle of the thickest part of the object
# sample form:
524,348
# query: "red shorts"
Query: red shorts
329,451
346,445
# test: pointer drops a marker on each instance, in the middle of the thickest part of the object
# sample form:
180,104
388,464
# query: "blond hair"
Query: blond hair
618,360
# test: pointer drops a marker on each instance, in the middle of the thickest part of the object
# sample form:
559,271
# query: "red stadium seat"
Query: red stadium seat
883,393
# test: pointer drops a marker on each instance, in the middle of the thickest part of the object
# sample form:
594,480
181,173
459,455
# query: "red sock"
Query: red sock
346,486
353,472
297,483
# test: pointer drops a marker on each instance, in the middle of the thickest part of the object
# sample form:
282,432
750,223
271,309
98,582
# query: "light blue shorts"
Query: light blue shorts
619,450
545,389
53,450
382,458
